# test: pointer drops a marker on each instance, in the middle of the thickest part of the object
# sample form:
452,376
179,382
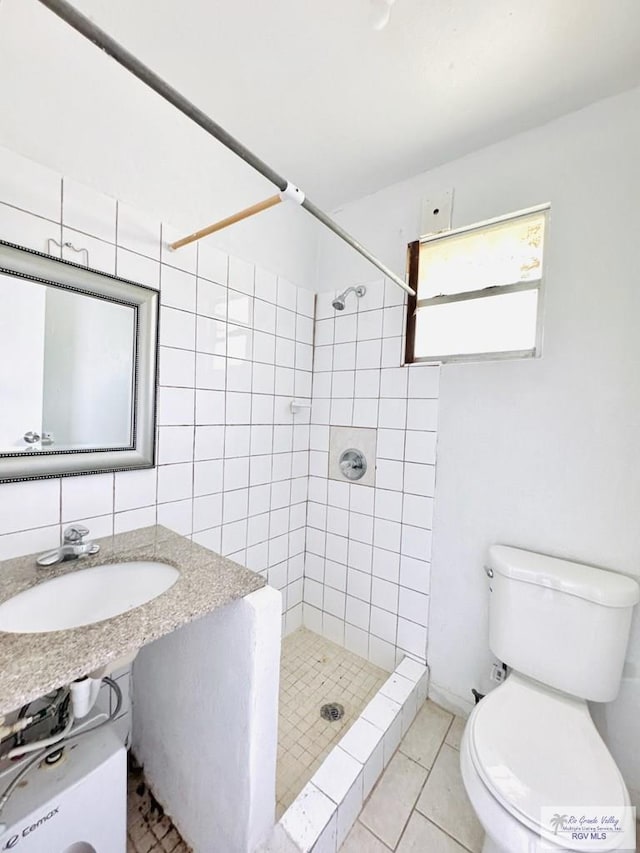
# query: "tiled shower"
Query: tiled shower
368,547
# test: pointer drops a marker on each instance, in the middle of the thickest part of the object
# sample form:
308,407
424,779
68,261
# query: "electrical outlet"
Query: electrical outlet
436,213
498,673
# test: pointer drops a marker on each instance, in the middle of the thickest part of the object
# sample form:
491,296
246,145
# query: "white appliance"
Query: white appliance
78,805
530,747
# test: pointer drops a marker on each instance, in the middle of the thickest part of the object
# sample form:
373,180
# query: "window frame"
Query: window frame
414,304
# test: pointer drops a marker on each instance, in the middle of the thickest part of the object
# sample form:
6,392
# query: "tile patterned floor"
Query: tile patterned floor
314,671
419,803
149,830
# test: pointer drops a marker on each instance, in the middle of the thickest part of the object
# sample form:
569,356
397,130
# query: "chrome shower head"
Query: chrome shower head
339,302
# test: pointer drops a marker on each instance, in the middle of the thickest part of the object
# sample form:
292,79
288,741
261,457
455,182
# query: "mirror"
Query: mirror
78,365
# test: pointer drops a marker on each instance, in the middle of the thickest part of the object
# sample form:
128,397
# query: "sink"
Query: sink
85,596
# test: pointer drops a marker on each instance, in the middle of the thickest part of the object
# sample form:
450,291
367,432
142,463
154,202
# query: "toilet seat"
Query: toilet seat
533,747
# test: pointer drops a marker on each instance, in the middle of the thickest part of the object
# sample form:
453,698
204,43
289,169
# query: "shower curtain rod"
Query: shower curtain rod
93,33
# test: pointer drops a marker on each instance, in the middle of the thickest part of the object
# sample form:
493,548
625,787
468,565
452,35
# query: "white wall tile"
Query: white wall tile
417,510
175,444
422,414
177,328
419,479
185,258
98,526
386,565
370,325
414,573
413,606
137,268
101,255
27,230
212,263
134,519
424,381
211,335
177,367
392,414
210,407
177,516
392,352
29,541
412,638
211,299
175,407
266,285
138,232
368,354
87,496
241,275
416,542
390,474
177,289
29,505
134,489
175,482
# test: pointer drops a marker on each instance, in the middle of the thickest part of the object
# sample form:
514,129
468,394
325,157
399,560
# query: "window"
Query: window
478,291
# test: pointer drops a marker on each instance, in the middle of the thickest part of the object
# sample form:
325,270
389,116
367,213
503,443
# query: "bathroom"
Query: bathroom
263,383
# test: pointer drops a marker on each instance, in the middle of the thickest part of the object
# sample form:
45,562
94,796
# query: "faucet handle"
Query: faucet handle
75,534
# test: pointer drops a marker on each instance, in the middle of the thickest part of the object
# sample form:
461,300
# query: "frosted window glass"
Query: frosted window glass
504,253
501,323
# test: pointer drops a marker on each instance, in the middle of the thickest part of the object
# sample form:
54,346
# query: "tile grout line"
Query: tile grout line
414,809
414,806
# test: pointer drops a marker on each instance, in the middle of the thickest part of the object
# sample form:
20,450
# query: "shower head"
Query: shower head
338,302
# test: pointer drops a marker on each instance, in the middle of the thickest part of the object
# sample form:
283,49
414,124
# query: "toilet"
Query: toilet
530,749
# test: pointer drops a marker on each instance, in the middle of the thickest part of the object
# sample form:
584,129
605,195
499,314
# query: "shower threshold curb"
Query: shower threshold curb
319,819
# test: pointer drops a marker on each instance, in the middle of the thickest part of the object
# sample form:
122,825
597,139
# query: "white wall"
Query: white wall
235,347
206,720
541,454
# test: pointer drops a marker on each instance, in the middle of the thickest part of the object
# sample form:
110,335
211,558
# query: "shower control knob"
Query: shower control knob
353,464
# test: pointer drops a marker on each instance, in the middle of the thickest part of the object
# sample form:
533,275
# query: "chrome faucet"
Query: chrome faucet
73,546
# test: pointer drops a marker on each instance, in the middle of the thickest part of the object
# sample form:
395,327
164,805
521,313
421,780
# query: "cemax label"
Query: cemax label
32,827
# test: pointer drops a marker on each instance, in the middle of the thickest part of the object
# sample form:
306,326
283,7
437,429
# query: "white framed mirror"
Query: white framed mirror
78,368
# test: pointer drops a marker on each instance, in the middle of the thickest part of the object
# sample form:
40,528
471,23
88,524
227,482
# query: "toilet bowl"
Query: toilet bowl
536,771
526,748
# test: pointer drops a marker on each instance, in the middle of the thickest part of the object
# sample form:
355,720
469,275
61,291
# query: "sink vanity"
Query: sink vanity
33,663
206,642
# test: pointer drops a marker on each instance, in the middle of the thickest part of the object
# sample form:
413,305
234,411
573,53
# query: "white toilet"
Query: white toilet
531,744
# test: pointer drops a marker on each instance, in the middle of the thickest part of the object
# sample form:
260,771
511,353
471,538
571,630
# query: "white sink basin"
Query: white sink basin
84,597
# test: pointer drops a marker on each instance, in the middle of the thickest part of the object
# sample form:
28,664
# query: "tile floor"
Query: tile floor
314,671
419,803
149,830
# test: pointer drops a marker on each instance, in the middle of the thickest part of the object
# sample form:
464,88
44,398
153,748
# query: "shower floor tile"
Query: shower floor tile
313,672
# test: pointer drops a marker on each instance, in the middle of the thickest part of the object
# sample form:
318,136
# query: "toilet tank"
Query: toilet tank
564,624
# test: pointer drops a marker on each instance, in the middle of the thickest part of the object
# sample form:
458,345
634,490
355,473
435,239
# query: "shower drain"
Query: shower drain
332,711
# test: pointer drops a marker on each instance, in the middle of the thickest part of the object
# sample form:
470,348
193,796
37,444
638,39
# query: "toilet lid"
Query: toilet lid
535,748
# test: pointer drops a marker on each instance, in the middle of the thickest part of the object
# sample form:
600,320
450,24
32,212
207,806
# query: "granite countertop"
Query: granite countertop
34,664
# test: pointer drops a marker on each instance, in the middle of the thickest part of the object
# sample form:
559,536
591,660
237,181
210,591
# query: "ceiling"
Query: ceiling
337,107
